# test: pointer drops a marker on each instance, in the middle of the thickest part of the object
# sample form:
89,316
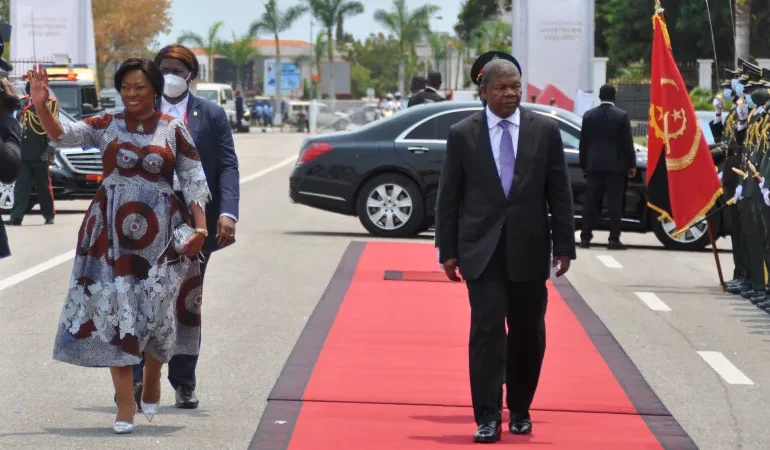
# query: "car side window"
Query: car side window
569,136
438,127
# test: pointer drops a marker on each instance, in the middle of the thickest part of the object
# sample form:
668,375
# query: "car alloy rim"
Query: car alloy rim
6,195
688,237
389,206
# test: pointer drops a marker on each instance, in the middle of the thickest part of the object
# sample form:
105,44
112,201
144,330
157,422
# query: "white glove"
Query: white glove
762,183
766,195
738,192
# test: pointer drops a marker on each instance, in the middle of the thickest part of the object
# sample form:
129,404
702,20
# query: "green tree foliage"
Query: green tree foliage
380,55
624,30
473,14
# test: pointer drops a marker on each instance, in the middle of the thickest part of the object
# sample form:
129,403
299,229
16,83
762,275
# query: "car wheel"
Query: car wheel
391,205
696,238
7,199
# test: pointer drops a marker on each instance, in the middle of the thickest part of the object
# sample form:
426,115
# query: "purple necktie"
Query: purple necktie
507,157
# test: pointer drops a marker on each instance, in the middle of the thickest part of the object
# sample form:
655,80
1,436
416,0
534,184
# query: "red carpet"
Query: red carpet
384,361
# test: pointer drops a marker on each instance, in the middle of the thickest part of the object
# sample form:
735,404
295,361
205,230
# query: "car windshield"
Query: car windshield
209,95
67,96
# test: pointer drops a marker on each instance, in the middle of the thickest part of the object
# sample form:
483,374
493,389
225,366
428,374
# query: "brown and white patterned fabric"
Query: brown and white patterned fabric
130,291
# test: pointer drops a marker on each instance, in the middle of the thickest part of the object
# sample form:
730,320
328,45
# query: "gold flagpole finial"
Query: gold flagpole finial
658,7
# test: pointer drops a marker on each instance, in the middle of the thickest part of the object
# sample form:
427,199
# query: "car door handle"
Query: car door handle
418,149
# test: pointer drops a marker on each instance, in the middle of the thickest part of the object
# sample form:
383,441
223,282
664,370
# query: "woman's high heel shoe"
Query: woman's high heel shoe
120,427
149,410
123,427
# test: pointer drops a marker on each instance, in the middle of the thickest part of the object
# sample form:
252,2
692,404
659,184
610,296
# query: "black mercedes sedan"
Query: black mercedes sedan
387,172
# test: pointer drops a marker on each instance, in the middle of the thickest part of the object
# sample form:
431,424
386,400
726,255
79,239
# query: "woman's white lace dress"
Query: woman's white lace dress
130,291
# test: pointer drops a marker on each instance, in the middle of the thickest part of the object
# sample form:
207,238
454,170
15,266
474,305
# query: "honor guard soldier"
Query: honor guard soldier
764,171
749,255
36,156
728,156
749,192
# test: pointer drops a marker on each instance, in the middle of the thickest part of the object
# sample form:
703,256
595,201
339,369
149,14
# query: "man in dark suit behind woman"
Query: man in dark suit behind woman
430,93
504,170
213,139
608,159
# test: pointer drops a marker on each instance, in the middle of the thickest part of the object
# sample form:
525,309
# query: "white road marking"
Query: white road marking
609,261
272,168
36,270
652,301
725,368
55,261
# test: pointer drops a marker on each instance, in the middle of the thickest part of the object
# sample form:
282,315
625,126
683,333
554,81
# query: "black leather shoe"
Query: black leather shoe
49,221
752,294
735,289
13,222
585,244
137,396
488,432
759,298
520,424
186,398
616,245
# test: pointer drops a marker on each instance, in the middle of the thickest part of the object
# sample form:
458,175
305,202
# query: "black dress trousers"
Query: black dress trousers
515,359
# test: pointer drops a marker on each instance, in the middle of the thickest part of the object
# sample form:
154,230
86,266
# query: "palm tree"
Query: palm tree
330,13
212,44
742,29
439,45
274,21
408,27
239,52
318,53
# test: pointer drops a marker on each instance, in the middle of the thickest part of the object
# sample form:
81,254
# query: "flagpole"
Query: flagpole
716,255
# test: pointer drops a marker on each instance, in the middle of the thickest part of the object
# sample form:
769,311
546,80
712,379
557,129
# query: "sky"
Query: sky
198,15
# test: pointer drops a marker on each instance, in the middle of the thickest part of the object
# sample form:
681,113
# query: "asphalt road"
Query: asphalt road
260,292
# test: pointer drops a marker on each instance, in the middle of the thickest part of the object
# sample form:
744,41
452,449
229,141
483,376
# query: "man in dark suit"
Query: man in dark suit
213,139
503,172
430,93
608,159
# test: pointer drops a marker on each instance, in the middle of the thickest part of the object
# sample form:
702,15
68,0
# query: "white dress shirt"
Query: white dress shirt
177,111
496,133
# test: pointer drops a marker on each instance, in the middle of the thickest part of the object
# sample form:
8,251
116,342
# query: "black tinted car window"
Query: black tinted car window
568,137
438,127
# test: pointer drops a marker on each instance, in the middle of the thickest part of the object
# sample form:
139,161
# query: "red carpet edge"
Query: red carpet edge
277,423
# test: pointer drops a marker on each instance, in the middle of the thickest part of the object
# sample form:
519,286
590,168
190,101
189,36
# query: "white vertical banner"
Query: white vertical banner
44,28
554,42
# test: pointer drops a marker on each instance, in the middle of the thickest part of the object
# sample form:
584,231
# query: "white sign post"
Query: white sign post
43,29
554,43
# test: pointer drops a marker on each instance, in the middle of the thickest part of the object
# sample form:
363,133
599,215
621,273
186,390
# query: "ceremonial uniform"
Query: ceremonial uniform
728,155
749,206
35,151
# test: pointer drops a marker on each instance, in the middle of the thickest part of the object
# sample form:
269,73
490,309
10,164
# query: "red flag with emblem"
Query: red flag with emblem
682,183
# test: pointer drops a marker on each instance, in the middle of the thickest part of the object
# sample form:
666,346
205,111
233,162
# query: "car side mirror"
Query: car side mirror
88,109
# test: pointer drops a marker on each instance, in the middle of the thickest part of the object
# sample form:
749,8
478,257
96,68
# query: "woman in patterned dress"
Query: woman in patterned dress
131,293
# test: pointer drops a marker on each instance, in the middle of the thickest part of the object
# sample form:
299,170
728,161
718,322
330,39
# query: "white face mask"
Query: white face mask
174,85
727,94
739,89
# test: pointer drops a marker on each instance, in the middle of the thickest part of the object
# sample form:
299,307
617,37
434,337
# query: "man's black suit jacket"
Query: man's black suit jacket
425,96
606,143
472,206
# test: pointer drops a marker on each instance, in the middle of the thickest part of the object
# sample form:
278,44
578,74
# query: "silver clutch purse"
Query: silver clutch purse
181,234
